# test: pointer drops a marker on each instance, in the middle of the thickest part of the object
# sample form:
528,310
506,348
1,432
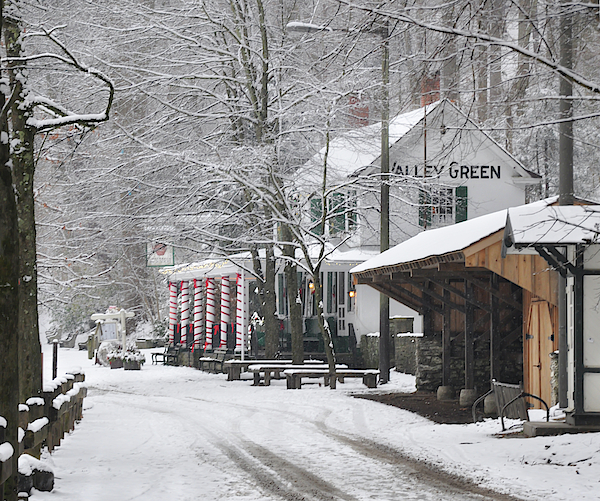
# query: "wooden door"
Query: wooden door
540,339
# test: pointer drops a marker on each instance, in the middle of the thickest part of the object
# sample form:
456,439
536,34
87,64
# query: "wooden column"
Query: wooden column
469,338
446,341
494,326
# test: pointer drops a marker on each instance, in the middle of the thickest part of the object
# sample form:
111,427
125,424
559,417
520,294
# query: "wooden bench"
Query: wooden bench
213,363
169,356
294,376
234,368
510,402
266,372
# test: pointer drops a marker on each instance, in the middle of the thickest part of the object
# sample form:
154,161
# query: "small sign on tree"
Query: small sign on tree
159,254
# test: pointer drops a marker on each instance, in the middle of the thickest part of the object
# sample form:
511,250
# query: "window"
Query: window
442,206
316,213
341,213
282,295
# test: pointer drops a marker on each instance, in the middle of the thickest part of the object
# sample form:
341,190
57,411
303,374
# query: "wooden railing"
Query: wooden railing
45,420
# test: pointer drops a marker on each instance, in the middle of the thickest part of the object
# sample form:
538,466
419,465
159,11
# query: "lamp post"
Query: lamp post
384,228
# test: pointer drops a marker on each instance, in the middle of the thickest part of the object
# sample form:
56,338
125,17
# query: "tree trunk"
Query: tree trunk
324,327
294,301
9,305
270,306
30,357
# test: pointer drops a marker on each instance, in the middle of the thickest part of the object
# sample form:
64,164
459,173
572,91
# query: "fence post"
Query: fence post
54,358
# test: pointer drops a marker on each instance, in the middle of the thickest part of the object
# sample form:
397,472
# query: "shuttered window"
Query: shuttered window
461,204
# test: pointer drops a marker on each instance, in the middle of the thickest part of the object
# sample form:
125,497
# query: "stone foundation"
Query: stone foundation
429,365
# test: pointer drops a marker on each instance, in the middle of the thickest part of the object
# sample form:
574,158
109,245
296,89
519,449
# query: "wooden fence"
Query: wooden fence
44,420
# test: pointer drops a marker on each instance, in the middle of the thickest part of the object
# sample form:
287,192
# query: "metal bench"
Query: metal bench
169,356
213,363
294,376
510,402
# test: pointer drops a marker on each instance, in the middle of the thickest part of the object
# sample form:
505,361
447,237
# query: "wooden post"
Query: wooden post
446,353
494,325
54,359
469,337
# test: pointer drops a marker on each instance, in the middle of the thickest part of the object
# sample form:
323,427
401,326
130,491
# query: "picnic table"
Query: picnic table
265,370
234,368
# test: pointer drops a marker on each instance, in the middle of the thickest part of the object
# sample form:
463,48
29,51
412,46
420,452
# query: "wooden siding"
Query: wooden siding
531,272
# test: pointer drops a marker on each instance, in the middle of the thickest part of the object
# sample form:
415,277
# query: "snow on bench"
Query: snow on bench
294,376
276,369
234,368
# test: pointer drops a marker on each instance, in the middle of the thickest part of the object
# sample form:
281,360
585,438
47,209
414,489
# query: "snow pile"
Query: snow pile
38,424
6,452
35,401
27,464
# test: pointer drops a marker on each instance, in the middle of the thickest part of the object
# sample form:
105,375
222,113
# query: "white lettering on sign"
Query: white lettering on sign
454,170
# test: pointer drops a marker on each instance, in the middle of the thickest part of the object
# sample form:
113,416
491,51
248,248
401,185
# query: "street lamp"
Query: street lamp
384,229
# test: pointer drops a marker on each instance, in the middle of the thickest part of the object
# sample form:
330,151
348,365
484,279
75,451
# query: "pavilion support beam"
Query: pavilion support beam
445,284
494,325
469,341
394,289
480,284
446,343
425,288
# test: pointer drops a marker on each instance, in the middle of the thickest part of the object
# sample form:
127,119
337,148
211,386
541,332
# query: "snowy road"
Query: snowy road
170,433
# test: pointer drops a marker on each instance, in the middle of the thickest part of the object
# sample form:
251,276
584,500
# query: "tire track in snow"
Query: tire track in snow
420,471
280,477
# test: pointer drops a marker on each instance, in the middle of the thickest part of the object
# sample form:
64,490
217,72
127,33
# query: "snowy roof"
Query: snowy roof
442,241
531,225
360,147
357,149
235,263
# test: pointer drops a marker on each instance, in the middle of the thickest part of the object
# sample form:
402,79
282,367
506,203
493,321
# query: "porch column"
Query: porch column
224,311
172,311
197,313
239,314
185,311
210,312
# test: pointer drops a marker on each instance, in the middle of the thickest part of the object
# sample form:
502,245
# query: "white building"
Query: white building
443,169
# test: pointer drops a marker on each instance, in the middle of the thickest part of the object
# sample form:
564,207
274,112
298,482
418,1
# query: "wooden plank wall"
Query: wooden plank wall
531,272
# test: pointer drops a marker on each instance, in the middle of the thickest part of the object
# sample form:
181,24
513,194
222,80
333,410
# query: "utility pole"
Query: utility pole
384,243
566,191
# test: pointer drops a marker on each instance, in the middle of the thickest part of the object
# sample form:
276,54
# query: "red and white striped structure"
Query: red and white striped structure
224,310
185,311
210,312
197,314
240,337
172,311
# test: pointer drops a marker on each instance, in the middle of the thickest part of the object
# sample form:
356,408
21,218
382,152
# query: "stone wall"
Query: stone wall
406,353
369,350
429,365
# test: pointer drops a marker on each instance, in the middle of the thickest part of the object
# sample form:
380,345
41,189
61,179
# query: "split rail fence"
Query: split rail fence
44,420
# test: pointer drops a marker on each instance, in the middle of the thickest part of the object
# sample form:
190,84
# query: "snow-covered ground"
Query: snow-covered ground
173,433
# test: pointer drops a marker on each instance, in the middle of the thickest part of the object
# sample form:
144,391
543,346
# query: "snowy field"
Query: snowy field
173,433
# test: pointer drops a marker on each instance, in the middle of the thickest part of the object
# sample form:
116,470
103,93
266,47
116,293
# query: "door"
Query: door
540,340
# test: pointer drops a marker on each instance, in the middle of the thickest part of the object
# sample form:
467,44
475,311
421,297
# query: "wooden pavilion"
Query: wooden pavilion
484,316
